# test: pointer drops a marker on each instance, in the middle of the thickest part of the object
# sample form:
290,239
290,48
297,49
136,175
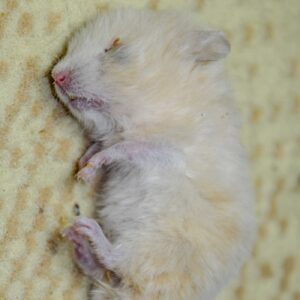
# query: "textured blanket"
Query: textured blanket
40,144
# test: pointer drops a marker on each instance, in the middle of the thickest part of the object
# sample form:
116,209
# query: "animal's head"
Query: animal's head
128,61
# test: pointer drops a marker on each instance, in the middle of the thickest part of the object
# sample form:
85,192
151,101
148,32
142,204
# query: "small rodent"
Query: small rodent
150,91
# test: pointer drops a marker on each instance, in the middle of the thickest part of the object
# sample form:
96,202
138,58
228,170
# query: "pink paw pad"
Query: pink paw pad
87,174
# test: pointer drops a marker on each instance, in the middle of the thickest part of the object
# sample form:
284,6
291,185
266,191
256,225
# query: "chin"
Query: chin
62,96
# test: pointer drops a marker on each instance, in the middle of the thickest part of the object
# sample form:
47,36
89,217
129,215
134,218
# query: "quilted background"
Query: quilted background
40,144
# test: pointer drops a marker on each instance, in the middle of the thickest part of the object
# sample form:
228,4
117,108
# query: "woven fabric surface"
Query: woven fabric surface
40,144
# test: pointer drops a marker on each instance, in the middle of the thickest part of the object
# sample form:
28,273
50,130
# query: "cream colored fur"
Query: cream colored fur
181,225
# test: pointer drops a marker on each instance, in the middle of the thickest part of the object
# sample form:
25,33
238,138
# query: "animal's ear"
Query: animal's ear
203,46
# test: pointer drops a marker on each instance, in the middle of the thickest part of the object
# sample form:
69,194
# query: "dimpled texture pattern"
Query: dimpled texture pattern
40,144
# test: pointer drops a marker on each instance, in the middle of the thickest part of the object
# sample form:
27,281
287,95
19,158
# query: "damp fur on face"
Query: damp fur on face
150,86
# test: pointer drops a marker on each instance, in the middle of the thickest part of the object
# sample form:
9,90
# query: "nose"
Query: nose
62,78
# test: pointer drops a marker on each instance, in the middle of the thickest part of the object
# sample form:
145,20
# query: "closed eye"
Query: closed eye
115,44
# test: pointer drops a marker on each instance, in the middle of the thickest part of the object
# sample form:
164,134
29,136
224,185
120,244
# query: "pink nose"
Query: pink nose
61,78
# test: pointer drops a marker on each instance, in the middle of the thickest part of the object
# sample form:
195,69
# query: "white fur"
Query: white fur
182,229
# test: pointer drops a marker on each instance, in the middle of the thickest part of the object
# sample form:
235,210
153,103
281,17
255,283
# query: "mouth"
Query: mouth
79,102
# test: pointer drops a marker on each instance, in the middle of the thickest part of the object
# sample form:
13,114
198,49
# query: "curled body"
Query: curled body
175,207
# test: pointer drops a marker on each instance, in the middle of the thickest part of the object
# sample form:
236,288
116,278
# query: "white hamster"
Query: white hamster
176,207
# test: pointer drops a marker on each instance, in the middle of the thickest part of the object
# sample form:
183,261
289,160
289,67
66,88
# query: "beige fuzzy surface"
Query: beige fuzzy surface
40,144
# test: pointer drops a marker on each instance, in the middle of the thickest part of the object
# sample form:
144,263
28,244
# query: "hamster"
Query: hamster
176,205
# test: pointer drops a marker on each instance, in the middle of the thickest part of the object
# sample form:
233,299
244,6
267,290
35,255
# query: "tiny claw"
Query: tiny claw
87,174
67,233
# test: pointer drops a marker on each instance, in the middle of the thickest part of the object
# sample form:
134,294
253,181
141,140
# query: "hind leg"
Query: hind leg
92,251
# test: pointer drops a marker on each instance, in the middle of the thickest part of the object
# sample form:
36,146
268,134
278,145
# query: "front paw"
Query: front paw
87,174
90,152
83,161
